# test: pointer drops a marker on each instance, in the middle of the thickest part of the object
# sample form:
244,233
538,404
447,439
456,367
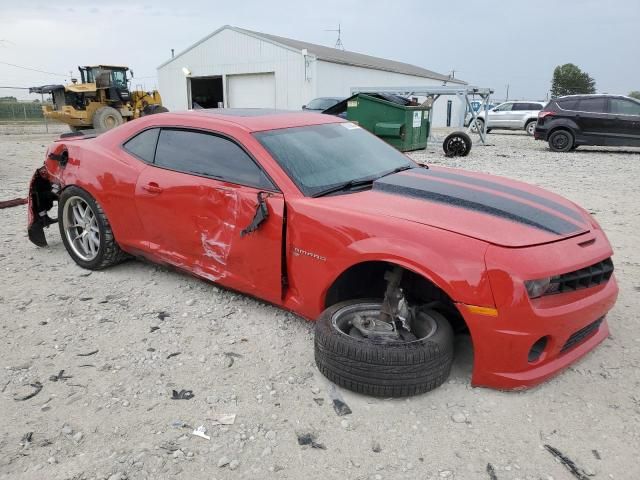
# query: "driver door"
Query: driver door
194,201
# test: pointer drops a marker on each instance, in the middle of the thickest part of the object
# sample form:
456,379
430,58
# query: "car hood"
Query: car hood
489,208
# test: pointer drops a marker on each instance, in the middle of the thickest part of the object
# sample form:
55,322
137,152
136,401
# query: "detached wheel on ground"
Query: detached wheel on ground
85,231
354,348
107,118
457,144
561,141
530,128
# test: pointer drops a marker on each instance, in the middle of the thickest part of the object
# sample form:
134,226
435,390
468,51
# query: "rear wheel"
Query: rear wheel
354,349
107,118
561,141
530,127
85,231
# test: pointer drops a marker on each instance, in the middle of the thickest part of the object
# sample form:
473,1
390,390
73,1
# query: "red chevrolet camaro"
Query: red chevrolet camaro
316,215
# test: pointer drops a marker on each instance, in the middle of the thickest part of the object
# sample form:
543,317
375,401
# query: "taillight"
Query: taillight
545,113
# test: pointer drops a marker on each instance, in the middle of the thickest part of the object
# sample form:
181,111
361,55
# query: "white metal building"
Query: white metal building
233,67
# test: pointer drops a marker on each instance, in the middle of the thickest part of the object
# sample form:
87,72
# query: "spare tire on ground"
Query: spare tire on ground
457,144
373,365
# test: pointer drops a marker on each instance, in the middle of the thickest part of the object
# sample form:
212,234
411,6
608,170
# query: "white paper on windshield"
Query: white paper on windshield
349,125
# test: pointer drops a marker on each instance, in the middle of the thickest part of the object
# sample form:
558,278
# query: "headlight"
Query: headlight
537,288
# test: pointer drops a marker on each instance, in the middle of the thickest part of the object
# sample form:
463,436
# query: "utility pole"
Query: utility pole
507,99
338,44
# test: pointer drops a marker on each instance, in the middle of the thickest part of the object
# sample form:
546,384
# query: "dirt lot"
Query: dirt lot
113,417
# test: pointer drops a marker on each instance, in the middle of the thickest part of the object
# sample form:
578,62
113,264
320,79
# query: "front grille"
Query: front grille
591,276
581,335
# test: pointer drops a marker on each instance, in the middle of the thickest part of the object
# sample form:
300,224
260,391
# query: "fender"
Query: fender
469,276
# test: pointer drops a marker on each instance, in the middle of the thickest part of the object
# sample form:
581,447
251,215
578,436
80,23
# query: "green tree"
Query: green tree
568,79
635,94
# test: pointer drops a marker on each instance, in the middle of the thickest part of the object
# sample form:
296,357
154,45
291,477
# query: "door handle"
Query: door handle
153,187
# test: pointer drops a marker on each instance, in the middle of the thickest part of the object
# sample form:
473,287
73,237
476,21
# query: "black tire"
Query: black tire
561,141
108,252
107,118
457,144
153,109
382,369
530,127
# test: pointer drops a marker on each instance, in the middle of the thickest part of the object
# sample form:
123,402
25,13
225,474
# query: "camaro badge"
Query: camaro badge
300,252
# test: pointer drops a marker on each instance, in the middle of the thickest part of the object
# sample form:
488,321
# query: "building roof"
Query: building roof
333,55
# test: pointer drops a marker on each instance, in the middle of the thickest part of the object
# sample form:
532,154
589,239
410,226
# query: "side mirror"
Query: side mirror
131,73
304,107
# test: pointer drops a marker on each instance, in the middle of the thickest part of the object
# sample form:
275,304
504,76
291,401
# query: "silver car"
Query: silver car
518,115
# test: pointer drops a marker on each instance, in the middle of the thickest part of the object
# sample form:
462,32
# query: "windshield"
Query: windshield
321,103
318,157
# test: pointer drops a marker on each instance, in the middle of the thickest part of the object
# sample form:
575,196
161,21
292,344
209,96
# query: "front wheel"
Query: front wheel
85,231
353,349
561,141
530,128
477,126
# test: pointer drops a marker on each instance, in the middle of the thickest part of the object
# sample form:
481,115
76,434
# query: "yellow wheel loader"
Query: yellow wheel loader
102,100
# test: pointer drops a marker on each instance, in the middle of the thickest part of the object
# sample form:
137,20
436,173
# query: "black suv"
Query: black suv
606,120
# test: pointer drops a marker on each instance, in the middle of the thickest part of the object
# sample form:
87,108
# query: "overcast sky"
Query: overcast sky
489,43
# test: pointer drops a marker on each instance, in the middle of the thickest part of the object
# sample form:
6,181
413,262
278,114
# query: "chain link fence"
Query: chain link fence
26,117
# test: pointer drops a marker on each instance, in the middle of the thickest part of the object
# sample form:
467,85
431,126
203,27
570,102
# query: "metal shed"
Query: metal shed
234,67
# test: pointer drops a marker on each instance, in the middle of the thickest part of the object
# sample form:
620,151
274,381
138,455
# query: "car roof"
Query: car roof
257,119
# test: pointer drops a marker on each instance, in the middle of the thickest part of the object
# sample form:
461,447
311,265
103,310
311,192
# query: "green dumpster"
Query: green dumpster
403,126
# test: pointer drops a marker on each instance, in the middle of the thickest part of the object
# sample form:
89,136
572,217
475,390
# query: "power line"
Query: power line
33,69
17,88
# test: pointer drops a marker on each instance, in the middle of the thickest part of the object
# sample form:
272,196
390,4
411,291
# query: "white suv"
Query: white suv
511,116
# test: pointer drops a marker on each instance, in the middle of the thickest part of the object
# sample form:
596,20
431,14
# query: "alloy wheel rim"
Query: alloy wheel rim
531,128
81,228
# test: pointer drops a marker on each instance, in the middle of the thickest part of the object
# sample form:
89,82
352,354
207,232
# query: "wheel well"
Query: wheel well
530,121
562,127
366,280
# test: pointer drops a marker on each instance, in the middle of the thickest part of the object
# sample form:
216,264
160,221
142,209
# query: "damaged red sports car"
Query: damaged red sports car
318,216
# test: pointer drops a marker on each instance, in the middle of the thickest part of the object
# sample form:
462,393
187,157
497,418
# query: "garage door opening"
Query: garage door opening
206,92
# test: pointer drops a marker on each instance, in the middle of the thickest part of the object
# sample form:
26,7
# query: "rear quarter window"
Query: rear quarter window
568,104
143,145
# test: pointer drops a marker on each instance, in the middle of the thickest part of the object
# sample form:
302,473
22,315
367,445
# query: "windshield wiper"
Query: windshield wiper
396,170
359,182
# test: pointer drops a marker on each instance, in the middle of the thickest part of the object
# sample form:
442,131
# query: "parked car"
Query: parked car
606,120
320,217
510,116
476,106
321,103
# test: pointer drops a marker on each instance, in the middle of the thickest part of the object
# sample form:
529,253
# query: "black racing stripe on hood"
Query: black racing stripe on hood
516,192
470,199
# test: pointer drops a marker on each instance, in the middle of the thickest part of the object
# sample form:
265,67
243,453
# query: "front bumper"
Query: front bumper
573,323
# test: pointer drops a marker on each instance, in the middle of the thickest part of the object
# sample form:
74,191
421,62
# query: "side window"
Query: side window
505,107
143,145
568,104
209,155
593,105
535,106
520,107
620,106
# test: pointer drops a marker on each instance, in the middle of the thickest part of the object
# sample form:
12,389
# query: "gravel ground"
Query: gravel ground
113,416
